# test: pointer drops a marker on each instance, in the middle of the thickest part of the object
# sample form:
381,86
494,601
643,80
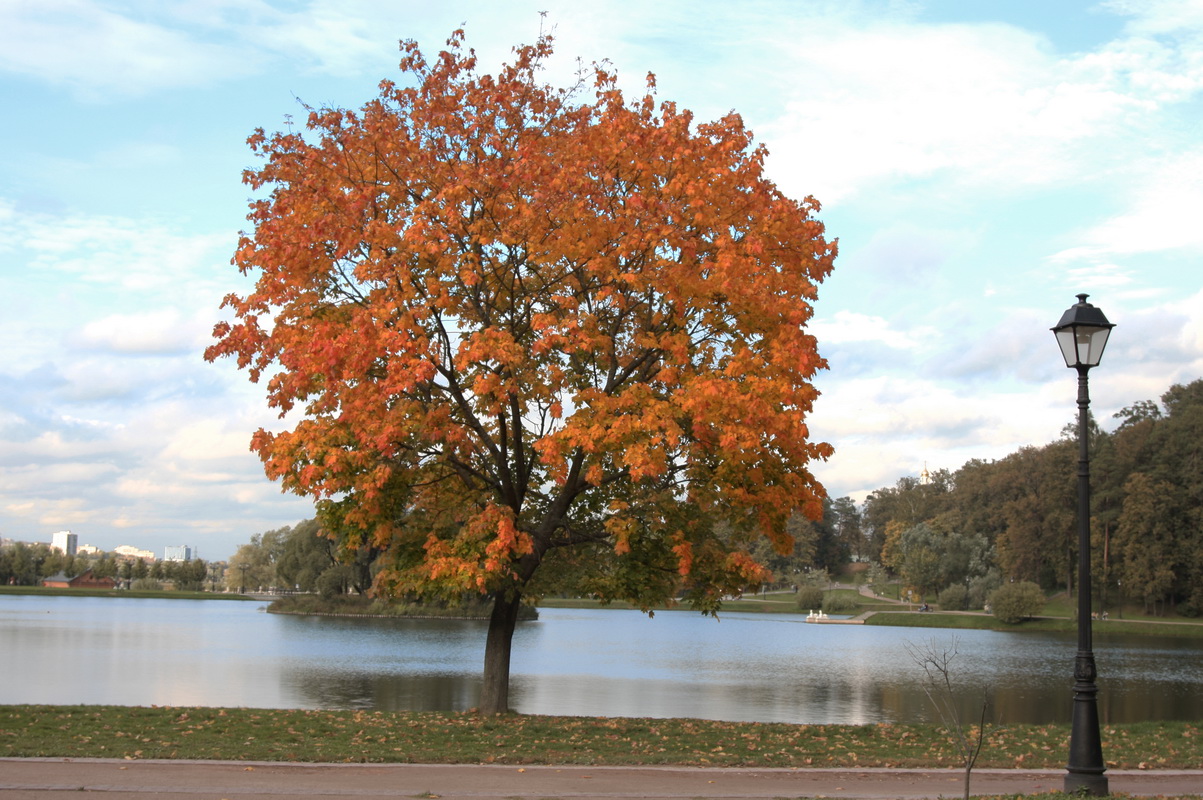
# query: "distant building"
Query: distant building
84,580
129,551
181,552
89,550
65,542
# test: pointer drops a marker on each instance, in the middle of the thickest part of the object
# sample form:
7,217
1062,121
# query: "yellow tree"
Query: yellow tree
528,329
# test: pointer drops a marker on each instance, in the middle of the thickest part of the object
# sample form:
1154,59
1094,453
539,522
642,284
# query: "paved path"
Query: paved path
62,779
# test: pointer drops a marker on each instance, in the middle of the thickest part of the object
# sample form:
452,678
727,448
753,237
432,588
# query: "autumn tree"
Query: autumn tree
525,325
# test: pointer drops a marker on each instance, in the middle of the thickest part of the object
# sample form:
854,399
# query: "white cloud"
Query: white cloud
209,440
160,332
1160,16
1010,391
980,104
99,52
105,50
130,255
888,427
336,38
851,326
1163,214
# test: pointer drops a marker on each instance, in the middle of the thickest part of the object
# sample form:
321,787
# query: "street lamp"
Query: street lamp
1082,334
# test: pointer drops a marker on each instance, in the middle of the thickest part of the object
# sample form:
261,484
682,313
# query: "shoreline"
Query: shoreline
900,616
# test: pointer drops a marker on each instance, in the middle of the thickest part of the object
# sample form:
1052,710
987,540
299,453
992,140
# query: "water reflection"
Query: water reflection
605,663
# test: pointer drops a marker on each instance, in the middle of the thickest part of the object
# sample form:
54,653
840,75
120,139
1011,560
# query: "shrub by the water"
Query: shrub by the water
1015,602
836,603
954,598
810,598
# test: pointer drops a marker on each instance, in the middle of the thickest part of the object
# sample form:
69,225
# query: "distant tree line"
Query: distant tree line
955,536
23,564
305,558
962,534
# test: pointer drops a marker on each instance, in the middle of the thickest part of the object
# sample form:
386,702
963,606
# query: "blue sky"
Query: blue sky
980,161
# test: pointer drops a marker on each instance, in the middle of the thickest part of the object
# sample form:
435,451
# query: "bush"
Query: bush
1015,602
810,598
838,603
146,585
954,598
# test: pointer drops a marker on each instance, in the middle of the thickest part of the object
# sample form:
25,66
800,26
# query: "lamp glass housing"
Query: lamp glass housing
1082,334
1082,345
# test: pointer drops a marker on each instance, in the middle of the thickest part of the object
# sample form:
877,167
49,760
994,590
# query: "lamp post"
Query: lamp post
1082,334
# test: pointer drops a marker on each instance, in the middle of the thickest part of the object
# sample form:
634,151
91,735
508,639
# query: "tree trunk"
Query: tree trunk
495,694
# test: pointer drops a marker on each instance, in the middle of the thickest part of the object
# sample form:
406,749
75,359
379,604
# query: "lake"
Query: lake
596,662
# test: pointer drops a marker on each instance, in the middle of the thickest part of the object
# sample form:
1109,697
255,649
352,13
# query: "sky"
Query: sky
981,163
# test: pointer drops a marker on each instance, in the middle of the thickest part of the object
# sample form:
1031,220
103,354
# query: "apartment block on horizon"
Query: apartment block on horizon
129,551
65,542
182,552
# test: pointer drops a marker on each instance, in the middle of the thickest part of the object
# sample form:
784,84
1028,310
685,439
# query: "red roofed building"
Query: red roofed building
84,580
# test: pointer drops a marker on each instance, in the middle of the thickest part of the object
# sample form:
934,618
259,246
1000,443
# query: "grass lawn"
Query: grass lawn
466,738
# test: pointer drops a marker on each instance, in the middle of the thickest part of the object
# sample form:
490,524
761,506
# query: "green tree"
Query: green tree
190,575
1148,541
907,503
105,567
918,561
848,529
305,556
877,576
51,561
831,551
20,564
1138,413
1179,462
1038,543
981,488
253,566
801,555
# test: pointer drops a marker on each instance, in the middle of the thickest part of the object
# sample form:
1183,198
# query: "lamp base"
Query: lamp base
1086,783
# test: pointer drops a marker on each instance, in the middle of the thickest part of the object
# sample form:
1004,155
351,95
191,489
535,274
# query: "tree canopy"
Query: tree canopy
525,325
